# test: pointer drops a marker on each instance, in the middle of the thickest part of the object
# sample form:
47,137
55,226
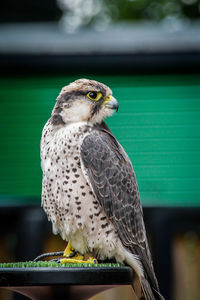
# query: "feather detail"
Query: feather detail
112,179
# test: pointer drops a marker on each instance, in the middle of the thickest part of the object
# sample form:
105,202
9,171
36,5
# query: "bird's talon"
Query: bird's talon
72,254
78,258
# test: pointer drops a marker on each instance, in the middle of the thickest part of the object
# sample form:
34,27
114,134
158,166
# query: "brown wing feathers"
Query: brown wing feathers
113,181
114,184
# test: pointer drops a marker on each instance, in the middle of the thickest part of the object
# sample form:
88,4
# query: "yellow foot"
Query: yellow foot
69,250
74,257
79,259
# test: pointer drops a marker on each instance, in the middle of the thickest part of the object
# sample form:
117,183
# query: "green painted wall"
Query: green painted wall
158,124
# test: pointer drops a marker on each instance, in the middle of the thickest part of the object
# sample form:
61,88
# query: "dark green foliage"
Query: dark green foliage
155,10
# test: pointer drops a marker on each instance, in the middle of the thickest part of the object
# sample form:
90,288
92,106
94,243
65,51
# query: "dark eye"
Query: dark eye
93,95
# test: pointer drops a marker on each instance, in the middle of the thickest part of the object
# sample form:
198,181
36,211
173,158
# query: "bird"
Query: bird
89,188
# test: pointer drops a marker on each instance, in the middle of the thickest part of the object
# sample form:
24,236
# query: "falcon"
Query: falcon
89,188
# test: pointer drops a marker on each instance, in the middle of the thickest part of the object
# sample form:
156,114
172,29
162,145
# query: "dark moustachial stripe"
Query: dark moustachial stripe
95,110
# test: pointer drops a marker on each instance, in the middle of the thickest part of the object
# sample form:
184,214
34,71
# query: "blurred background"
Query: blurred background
148,52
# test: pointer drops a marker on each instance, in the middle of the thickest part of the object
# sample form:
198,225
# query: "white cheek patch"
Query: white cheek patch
102,114
79,111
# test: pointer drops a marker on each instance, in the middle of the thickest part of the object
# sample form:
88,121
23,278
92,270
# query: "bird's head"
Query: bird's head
84,100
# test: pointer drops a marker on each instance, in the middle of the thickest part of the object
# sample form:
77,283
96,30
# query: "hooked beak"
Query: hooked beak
111,102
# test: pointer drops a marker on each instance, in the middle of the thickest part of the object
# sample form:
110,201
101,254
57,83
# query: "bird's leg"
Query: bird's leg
72,256
69,251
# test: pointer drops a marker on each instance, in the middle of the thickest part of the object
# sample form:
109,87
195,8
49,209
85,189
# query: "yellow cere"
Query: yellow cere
107,99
